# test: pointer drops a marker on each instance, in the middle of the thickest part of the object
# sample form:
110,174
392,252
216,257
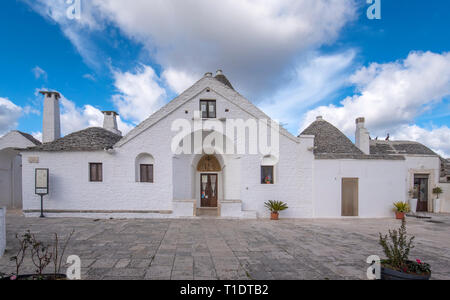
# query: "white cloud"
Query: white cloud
250,40
437,138
9,115
254,42
76,30
74,118
391,95
140,93
39,73
37,135
89,77
312,83
179,81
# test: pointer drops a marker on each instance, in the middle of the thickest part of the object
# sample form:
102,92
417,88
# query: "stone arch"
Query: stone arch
209,163
143,159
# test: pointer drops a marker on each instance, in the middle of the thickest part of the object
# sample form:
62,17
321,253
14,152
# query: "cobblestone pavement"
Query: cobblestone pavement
204,249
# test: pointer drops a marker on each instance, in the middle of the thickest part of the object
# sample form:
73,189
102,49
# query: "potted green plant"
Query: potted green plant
401,209
397,266
437,202
275,207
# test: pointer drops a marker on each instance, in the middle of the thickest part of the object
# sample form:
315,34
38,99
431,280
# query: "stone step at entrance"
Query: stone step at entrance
208,212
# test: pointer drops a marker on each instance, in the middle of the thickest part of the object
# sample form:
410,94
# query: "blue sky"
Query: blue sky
294,59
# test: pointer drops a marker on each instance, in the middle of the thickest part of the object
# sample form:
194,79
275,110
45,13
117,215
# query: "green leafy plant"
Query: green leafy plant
437,191
397,247
276,206
402,207
418,267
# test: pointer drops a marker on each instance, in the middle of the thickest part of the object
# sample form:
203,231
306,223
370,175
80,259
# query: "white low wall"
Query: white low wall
2,231
445,202
233,209
184,208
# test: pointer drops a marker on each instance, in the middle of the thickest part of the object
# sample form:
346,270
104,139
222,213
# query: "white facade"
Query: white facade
381,183
311,187
423,165
445,197
11,168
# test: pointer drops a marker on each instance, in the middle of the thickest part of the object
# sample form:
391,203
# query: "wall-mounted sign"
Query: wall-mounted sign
42,182
33,160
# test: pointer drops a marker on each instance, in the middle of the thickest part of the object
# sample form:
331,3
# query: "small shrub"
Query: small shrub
437,191
276,206
402,207
397,247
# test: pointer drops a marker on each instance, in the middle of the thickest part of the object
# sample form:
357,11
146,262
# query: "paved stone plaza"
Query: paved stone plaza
204,249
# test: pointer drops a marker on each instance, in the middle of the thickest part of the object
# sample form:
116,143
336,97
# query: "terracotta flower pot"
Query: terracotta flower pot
274,216
400,215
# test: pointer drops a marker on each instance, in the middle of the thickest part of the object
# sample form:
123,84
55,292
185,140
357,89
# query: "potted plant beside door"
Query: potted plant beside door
397,266
437,202
275,207
401,209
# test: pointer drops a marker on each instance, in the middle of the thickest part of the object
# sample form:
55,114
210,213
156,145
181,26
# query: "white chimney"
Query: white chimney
110,122
219,72
51,129
362,136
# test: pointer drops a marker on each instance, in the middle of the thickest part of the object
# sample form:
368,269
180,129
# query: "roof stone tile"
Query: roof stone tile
91,139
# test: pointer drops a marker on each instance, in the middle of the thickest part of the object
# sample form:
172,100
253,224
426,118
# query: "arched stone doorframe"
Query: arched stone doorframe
197,175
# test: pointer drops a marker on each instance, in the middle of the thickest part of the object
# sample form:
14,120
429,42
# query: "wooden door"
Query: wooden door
421,186
209,189
350,201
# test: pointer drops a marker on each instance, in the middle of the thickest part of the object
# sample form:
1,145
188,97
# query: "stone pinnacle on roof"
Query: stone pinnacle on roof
222,78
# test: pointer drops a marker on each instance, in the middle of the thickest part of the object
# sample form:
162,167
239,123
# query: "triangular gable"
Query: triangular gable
16,139
206,82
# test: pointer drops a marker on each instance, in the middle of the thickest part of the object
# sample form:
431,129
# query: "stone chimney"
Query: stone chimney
110,122
51,129
362,136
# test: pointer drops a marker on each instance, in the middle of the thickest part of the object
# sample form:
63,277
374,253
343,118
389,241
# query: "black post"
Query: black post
42,206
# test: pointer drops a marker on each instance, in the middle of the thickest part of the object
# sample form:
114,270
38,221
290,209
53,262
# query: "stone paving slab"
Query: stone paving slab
205,249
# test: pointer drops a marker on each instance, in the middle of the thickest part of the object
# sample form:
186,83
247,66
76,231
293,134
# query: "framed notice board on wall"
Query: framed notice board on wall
42,181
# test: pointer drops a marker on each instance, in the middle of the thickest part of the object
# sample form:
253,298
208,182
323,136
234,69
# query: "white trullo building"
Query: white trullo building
184,161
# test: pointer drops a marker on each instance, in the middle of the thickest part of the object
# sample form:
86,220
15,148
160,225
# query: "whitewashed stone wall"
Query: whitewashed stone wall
2,230
445,197
423,164
10,169
176,184
381,183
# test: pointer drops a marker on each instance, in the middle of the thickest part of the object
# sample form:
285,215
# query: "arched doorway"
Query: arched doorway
209,169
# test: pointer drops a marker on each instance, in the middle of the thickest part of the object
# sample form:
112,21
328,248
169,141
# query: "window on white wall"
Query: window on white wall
268,170
267,175
95,172
145,168
208,109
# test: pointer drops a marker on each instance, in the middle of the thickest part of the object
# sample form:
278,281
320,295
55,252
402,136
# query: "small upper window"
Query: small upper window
147,173
208,109
95,172
267,175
